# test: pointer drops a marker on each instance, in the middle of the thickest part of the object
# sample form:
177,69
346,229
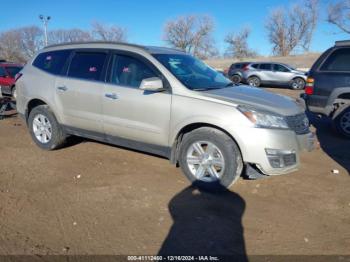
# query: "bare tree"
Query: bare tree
192,34
339,15
10,46
108,33
31,39
20,44
238,44
289,29
312,6
68,35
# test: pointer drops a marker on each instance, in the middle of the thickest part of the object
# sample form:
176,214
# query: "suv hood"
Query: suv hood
295,71
256,98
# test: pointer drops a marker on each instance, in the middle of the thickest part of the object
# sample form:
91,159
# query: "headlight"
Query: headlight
264,119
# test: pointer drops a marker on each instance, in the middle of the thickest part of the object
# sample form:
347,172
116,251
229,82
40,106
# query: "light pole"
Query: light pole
45,20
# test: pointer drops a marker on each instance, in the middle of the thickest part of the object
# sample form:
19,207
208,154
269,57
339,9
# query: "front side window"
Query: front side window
193,73
87,65
13,70
52,62
280,68
129,71
339,60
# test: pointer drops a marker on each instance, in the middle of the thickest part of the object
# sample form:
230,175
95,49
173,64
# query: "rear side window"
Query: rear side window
265,66
255,66
52,62
87,65
339,60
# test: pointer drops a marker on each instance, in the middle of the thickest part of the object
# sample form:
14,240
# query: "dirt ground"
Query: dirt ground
92,198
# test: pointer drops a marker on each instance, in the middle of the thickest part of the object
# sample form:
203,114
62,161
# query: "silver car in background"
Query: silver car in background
165,102
256,74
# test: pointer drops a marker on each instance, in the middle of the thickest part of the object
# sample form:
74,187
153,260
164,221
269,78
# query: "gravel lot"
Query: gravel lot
92,198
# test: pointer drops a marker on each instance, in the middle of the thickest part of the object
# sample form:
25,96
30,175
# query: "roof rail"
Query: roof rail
342,43
95,42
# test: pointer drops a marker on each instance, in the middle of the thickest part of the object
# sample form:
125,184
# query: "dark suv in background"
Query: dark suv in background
327,90
235,72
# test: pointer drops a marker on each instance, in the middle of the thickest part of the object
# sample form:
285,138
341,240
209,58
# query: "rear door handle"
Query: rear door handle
111,96
62,88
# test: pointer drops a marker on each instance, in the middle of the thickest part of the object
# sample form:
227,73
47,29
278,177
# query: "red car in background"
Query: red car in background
8,72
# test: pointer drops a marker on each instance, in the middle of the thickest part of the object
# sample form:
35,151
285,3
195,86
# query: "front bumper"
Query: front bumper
257,142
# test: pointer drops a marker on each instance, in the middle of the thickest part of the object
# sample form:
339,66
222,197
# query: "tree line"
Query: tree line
288,30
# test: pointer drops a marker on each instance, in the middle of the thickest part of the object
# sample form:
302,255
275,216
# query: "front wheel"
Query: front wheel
342,123
210,159
254,81
298,84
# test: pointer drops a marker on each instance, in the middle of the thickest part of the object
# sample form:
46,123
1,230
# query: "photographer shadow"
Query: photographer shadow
206,224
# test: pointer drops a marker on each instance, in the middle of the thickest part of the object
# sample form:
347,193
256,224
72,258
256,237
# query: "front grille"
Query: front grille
298,123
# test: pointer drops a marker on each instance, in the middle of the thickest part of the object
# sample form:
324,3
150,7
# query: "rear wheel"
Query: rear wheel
236,79
44,128
342,123
254,81
210,159
298,83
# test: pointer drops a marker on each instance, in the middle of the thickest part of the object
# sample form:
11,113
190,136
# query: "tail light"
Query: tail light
226,71
18,76
309,87
245,68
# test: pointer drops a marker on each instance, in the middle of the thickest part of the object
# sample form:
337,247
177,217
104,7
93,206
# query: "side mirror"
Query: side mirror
154,84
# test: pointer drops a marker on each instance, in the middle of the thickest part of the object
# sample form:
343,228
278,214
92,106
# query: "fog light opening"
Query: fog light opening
280,158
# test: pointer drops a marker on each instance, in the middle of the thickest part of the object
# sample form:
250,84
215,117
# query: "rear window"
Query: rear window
52,62
339,60
13,70
2,72
87,65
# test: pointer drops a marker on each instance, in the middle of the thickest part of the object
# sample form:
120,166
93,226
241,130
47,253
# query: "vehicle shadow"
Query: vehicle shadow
206,223
335,146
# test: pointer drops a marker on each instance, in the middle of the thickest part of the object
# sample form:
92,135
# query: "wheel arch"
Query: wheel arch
32,104
176,141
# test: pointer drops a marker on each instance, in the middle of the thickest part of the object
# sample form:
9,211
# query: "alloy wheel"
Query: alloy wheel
42,128
205,161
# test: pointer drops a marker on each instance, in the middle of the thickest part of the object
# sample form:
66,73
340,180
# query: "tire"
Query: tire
42,114
236,79
222,148
341,123
254,81
14,92
298,83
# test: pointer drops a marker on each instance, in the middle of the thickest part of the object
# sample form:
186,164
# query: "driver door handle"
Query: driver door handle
111,96
62,88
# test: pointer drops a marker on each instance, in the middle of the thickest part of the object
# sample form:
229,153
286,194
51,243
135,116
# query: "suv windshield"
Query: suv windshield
192,72
13,70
